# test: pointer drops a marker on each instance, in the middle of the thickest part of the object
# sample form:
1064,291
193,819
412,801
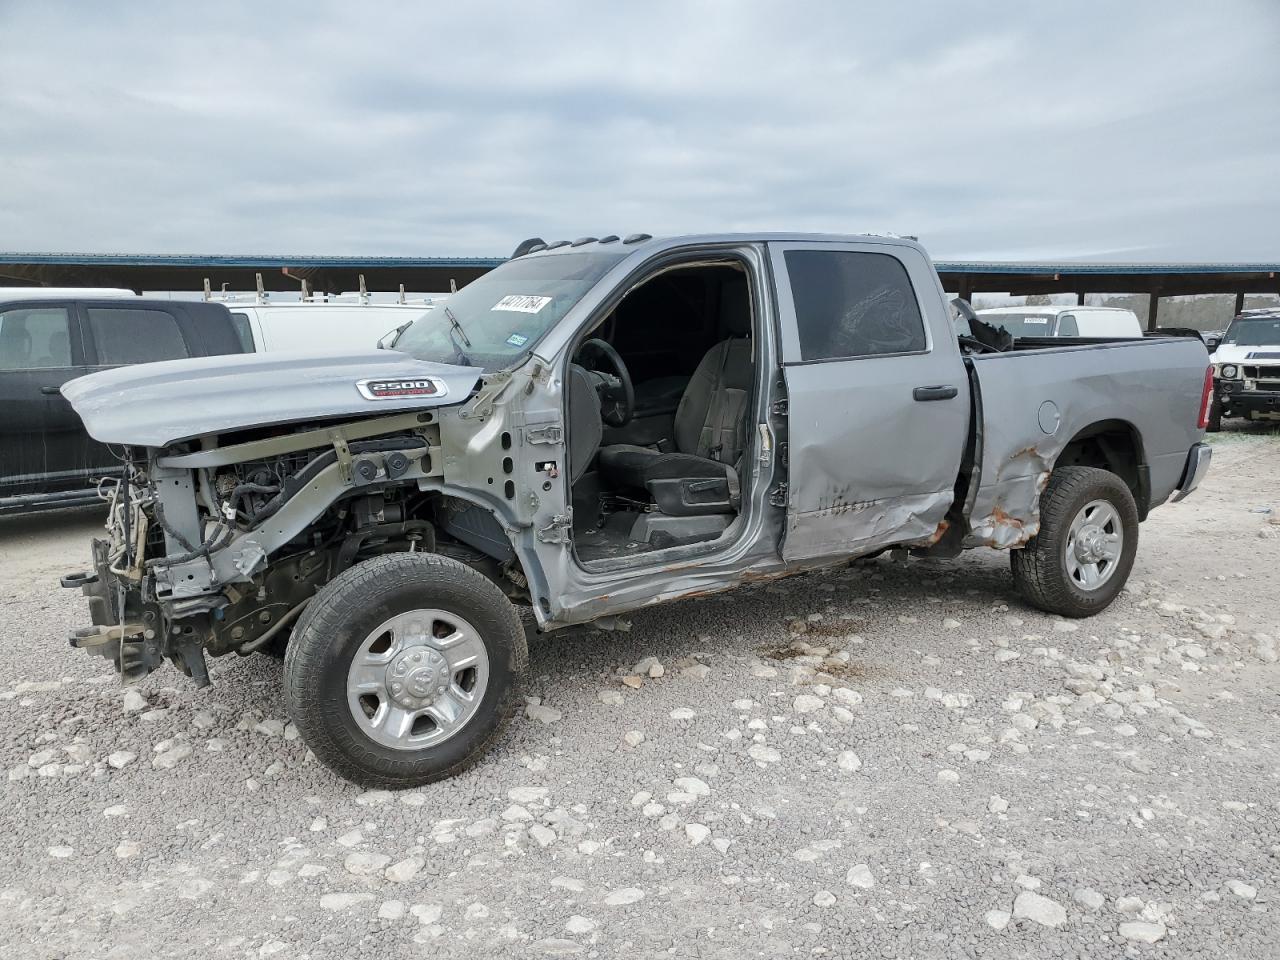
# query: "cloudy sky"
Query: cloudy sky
1141,130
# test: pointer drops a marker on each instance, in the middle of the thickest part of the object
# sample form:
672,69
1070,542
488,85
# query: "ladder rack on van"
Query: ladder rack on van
262,296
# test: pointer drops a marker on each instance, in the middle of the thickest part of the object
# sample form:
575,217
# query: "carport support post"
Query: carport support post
1080,299
1153,311
1239,304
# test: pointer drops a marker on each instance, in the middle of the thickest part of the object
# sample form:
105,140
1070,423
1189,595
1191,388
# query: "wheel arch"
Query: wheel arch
512,548
1116,446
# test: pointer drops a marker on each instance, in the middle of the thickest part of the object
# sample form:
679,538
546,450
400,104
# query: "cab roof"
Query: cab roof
9,294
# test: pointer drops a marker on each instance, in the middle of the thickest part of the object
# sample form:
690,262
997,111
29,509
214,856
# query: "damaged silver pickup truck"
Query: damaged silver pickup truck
591,428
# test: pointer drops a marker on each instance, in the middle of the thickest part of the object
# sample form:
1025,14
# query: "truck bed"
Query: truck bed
1033,401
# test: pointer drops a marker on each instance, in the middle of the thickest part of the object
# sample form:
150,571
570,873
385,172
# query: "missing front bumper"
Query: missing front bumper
133,642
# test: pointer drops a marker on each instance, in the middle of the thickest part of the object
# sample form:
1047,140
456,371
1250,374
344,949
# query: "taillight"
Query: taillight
1206,398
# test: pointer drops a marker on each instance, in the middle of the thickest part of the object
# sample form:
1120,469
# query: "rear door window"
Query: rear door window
1067,326
132,335
850,304
35,338
240,321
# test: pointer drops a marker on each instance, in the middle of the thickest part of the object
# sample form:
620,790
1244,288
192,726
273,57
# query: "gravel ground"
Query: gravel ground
885,759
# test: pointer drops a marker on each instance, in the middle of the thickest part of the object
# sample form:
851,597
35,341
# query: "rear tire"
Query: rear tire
1081,510
394,622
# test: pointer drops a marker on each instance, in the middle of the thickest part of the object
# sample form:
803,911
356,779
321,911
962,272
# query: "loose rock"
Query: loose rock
624,896
1039,909
1142,931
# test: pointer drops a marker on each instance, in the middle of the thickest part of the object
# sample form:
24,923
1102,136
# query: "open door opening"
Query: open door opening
658,395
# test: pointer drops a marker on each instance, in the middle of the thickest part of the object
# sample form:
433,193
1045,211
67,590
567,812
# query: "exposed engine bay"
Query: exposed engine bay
184,570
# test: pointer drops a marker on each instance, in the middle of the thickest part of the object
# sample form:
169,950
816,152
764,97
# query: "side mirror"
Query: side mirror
1212,343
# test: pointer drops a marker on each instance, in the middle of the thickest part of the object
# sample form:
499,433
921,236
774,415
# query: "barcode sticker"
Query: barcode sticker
521,304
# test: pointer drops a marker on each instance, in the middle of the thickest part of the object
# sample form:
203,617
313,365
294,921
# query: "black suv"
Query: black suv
49,337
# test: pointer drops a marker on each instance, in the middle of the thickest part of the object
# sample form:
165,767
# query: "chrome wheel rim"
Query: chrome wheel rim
417,679
1095,541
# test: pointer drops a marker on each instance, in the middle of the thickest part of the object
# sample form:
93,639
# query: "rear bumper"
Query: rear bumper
1198,459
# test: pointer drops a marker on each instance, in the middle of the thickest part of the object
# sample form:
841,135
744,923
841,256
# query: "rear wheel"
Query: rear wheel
1081,557
404,669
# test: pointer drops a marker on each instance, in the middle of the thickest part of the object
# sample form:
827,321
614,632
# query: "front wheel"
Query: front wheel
1215,416
1080,559
404,670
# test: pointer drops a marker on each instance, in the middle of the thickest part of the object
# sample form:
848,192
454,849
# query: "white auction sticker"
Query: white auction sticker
521,304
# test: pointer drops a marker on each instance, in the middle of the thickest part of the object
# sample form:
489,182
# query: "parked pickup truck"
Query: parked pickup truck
591,428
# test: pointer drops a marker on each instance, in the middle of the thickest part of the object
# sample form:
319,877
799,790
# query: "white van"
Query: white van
316,325
1052,321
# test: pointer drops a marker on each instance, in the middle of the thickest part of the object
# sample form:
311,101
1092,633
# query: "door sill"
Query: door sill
664,556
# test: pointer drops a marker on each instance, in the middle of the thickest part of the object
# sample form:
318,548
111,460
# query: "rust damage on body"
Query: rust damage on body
1015,516
1003,528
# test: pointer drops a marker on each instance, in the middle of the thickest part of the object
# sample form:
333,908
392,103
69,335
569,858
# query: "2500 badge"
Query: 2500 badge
400,389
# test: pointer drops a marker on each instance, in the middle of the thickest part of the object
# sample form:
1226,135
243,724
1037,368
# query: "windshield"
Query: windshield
496,319
1254,332
1021,324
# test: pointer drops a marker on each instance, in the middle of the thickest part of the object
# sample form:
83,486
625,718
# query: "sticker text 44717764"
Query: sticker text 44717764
521,304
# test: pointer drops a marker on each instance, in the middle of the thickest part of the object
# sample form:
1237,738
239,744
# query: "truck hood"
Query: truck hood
157,404
1234,353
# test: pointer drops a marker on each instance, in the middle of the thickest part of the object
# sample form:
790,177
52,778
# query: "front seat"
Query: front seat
701,475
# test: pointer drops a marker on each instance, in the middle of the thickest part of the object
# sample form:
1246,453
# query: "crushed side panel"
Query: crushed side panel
1034,402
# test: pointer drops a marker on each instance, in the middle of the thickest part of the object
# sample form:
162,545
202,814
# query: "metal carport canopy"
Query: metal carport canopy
433,274
1163,279
238,272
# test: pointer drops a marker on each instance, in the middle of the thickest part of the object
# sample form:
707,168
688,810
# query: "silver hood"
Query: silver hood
156,404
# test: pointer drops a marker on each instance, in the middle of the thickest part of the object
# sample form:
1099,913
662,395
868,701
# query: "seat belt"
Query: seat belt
715,415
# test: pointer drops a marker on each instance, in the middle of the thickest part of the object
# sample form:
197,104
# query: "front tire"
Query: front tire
404,669
1078,562
1215,416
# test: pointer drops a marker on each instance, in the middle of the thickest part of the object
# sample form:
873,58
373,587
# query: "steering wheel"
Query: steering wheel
617,396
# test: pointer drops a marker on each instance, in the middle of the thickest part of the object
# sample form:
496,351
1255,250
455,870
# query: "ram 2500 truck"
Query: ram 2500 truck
593,427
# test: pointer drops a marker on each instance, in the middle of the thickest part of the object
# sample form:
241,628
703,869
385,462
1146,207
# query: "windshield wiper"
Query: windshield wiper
455,331
453,322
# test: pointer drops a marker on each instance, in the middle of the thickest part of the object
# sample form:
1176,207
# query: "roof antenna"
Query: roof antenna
453,285
364,292
262,291
208,289
402,300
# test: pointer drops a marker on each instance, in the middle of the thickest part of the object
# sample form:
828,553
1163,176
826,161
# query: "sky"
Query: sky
1084,130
